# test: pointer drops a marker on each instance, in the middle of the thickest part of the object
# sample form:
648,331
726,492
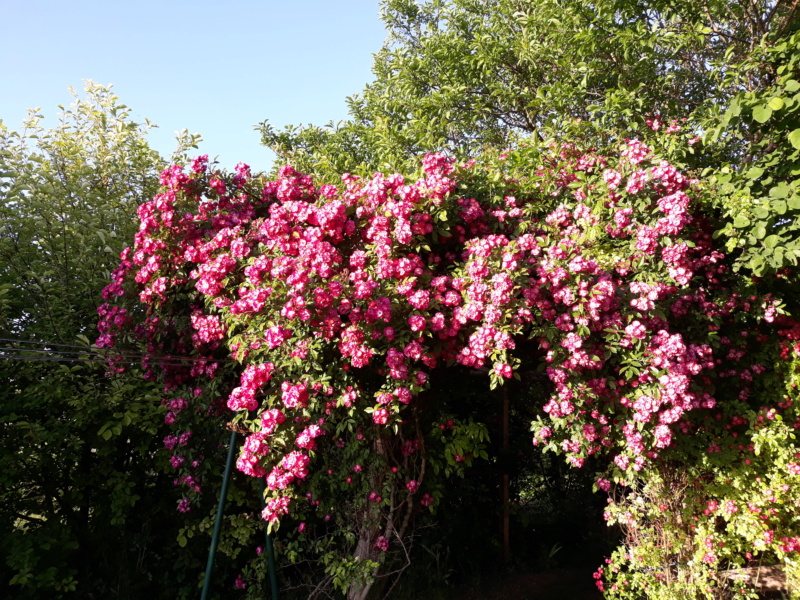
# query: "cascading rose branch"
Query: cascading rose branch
339,301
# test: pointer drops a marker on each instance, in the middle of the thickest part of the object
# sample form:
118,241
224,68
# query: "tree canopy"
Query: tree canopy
80,485
460,75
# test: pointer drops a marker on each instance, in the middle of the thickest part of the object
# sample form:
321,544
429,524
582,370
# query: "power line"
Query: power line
38,351
90,354
98,361
63,359
17,341
88,349
107,354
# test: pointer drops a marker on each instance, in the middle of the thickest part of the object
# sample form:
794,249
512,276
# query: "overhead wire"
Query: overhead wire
84,349
18,341
63,359
77,353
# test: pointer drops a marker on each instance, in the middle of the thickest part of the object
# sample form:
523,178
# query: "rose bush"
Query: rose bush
323,314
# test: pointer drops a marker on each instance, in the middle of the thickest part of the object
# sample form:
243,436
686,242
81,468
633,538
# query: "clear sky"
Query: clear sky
215,68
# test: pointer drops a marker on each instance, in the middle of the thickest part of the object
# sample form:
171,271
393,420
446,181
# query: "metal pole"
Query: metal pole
218,522
273,576
504,484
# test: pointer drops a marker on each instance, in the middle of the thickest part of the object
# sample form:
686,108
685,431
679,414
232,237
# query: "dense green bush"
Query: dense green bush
86,504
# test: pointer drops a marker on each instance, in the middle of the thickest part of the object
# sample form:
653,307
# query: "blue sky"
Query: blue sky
215,68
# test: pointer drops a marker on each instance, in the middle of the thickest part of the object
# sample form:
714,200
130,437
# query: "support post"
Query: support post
504,493
218,521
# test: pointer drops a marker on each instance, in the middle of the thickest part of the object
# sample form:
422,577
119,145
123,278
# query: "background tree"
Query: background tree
85,507
460,75
760,183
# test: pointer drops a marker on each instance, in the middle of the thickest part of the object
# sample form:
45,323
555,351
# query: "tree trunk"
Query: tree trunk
365,550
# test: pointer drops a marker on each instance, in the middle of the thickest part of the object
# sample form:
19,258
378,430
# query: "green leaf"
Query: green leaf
741,221
794,138
776,259
754,173
780,191
762,113
792,85
761,213
757,264
776,103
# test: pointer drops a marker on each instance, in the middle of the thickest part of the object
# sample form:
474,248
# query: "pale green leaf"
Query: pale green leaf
762,113
794,138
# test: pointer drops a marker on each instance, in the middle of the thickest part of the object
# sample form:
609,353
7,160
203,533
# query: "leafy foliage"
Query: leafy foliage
463,75
761,186
81,495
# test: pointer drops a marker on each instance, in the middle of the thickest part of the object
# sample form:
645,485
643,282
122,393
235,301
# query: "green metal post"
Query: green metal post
273,576
218,522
